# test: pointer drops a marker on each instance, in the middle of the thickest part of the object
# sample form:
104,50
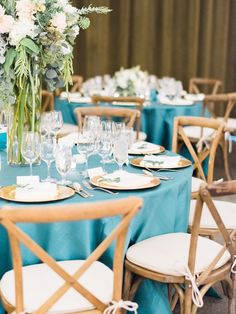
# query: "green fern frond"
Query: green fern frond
90,9
21,65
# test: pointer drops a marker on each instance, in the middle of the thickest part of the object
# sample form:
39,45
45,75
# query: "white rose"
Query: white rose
59,22
20,30
25,9
6,21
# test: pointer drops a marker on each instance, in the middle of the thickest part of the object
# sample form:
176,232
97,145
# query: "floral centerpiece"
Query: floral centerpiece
36,42
131,82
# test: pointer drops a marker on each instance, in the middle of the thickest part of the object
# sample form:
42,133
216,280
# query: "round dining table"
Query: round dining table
165,210
156,118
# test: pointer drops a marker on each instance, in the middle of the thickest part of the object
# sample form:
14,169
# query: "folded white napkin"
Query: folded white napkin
39,191
125,179
162,161
75,97
143,147
194,97
175,102
66,95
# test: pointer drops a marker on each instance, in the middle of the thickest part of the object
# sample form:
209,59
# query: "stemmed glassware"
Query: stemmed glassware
86,146
63,157
57,121
31,147
104,150
51,122
120,151
48,154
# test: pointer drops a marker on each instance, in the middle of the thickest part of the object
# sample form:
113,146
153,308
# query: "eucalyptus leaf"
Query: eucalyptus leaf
10,56
30,44
51,74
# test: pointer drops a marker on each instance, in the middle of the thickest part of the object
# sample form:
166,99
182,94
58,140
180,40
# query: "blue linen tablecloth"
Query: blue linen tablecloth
157,119
165,210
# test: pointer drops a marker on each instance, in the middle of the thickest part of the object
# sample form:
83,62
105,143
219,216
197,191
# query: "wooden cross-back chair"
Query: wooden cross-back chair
77,82
197,83
47,101
222,100
136,101
128,115
69,272
189,262
226,209
209,146
210,103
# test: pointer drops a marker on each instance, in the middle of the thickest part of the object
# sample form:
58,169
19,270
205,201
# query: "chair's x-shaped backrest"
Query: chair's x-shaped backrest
179,136
196,83
126,208
227,100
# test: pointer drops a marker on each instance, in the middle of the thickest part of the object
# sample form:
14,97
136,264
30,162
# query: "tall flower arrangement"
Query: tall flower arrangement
36,42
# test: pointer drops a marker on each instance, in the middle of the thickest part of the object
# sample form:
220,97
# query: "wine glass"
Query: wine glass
104,150
120,151
86,146
46,123
63,157
57,121
47,154
30,147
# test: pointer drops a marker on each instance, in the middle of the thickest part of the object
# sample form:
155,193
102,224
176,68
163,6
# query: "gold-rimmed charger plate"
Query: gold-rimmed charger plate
97,181
8,193
138,151
181,164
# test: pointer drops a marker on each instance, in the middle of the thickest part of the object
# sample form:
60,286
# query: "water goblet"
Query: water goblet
104,150
57,121
48,154
120,151
85,146
63,157
30,147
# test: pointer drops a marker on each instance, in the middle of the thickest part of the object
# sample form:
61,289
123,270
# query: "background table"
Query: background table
165,210
156,121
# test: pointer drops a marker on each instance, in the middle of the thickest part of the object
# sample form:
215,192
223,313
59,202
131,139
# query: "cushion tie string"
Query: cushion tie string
233,267
229,139
196,294
204,141
127,305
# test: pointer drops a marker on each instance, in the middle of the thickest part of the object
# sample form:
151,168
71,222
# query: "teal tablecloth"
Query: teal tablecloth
165,210
156,120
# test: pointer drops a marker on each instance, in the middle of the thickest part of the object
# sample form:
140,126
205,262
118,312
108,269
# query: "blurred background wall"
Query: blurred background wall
179,38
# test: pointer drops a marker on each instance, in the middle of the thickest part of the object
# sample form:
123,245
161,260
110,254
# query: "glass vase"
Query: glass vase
23,115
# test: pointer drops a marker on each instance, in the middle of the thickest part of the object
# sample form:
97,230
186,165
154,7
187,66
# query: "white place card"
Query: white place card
22,180
93,172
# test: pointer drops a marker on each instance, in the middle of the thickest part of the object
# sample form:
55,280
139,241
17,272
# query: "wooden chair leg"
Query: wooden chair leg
188,300
127,284
225,152
231,300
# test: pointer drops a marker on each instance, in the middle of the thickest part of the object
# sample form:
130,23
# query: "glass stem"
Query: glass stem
31,170
48,168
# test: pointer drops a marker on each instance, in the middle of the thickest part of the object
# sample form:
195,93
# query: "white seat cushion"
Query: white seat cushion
142,136
196,132
67,129
227,211
168,254
231,123
39,282
196,183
